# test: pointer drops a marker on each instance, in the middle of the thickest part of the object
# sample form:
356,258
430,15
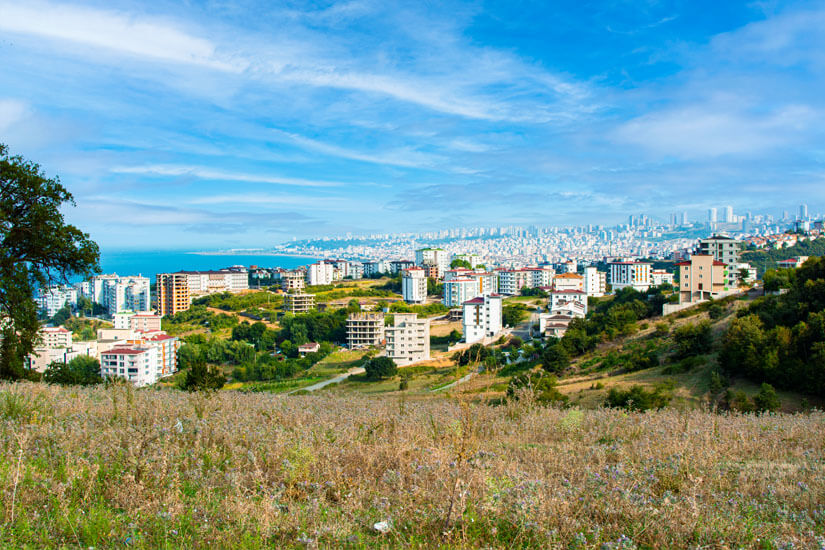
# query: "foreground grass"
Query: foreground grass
116,467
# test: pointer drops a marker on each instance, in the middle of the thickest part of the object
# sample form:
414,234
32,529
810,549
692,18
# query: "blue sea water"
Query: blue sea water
151,262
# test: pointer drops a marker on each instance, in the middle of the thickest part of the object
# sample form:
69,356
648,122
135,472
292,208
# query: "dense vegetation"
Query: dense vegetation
781,339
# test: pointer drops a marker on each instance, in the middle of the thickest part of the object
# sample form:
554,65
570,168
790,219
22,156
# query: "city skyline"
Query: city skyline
249,124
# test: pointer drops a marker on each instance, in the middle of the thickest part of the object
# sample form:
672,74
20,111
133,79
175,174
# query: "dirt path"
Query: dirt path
242,318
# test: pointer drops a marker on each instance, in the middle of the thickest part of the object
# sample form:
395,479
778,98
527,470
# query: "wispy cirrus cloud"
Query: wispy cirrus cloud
205,173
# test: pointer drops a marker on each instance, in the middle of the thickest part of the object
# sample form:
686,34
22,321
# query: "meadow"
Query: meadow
115,467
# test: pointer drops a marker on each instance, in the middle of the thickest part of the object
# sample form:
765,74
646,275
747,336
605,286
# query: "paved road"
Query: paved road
456,383
334,380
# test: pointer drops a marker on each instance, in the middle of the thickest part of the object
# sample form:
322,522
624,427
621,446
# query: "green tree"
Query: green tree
460,262
554,358
766,399
201,377
692,339
80,371
63,314
380,367
84,305
37,249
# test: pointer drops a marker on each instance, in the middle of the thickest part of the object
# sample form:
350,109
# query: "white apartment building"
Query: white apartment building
632,274
222,280
556,321
320,273
117,293
457,291
142,322
356,270
379,267
408,339
434,257
55,337
660,277
414,286
595,282
52,300
141,361
559,297
482,318
398,266
511,281
539,277
292,280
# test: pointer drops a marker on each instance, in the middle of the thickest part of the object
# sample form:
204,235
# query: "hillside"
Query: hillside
118,467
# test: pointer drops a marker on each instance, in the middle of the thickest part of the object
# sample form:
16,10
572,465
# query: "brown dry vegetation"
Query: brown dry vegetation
111,467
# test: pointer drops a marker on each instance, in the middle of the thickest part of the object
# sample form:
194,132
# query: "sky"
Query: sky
232,124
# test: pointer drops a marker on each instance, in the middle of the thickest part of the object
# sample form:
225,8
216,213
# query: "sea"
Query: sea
151,262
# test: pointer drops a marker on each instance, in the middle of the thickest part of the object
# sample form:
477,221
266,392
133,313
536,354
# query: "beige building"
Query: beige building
365,330
55,337
701,278
408,339
299,302
172,293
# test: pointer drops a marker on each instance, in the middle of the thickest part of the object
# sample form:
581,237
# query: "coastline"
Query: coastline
250,253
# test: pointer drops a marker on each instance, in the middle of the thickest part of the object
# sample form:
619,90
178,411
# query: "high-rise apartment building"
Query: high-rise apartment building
723,249
632,274
729,214
320,273
803,212
482,318
172,293
712,215
434,258
298,302
595,282
414,285
701,278
365,330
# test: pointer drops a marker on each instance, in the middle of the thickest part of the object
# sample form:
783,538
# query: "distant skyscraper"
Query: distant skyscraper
712,215
684,218
803,211
728,214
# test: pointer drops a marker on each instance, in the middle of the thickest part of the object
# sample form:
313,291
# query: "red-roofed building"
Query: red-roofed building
701,278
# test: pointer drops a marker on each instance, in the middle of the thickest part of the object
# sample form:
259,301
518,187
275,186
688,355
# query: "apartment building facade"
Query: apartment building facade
595,282
172,291
481,318
53,299
365,330
701,278
630,274
414,285
320,273
436,259
299,302
408,339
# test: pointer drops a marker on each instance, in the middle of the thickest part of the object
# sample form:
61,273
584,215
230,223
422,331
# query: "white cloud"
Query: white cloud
709,131
405,157
212,174
140,36
12,111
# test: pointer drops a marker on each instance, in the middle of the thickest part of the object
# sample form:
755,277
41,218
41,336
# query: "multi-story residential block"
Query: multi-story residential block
142,360
482,318
459,290
559,297
568,281
408,339
741,274
320,273
54,337
595,282
701,278
632,274
374,268
292,280
213,281
55,298
365,330
556,321
539,277
723,249
511,281
437,259
414,285
356,270
298,302
124,293
398,266
172,293
660,277
794,262
141,322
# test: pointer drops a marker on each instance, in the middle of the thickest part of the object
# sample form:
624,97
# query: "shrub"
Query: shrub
766,399
637,398
554,358
200,377
541,386
692,339
80,371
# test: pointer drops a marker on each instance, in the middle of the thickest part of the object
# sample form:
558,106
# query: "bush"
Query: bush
80,371
692,339
381,367
637,398
554,358
542,387
766,399
200,377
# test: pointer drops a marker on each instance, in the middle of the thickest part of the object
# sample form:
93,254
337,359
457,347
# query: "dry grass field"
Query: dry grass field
117,467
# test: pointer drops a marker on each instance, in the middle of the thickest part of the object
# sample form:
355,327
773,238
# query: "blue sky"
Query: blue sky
238,124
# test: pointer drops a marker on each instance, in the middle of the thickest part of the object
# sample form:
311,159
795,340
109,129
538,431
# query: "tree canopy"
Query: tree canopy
80,371
37,249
